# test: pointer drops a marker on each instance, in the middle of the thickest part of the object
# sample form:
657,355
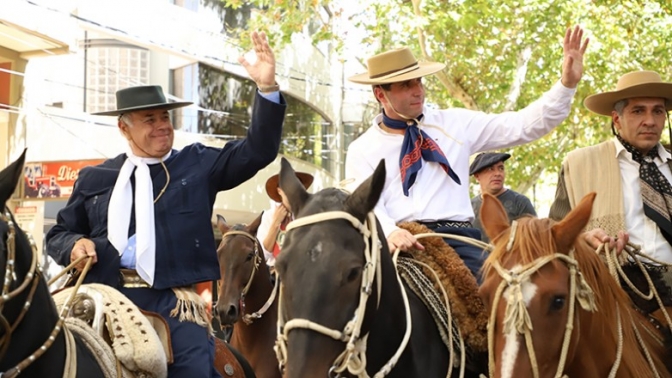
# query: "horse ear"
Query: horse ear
290,184
566,231
222,225
365,197
493,216
9,177
254,226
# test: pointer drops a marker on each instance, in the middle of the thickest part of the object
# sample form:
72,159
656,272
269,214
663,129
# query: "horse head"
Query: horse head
239,258
554,307
23,285
9,177
321,269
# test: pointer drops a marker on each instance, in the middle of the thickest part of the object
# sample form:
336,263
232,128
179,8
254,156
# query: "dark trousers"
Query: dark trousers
193,347
472,256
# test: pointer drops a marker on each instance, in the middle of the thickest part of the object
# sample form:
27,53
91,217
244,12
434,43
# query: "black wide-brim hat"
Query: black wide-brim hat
139,98
485,160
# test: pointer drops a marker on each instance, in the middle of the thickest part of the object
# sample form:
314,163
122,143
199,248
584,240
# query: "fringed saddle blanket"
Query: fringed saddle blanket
467,308
134,342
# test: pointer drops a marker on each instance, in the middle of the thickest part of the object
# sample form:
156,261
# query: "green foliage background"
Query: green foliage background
500,54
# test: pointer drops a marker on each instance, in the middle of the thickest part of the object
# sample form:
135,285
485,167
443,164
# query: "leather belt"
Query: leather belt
446,223
131,279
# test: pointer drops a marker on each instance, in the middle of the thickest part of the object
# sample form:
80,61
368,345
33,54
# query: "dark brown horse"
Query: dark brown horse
247,297
342,308
555,308
29,318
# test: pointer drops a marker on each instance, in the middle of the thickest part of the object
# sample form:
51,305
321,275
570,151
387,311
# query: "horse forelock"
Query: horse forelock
329,199
534,239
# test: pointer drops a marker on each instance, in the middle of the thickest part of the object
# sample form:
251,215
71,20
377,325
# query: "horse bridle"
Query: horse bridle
516,315
353,358
31,276
250,318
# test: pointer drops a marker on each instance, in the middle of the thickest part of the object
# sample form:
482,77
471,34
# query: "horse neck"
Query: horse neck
33,330
387,331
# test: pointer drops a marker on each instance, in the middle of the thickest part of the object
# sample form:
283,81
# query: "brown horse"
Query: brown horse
246,287
555,309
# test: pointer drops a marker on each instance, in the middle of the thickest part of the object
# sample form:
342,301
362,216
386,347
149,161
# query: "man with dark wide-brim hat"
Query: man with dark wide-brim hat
490,172
144,217
271,231
427,150
630,173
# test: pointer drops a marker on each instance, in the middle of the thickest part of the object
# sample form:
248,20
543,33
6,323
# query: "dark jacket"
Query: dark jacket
185,245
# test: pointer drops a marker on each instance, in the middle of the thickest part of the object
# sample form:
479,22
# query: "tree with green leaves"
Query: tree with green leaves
500,54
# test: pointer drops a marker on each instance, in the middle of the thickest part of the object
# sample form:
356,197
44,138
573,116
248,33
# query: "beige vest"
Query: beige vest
595,169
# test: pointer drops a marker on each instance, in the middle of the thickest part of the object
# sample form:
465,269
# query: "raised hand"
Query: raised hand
573,50
262,71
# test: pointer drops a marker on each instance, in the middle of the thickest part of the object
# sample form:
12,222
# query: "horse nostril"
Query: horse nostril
233,312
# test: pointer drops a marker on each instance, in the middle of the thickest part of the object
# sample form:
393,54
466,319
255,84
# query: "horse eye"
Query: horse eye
249,256
353,274
558,302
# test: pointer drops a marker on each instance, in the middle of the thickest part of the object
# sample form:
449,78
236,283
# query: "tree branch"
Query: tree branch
523,187
455,90
519,79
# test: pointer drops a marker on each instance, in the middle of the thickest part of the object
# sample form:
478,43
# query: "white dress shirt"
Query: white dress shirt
460,133
642,230
264,229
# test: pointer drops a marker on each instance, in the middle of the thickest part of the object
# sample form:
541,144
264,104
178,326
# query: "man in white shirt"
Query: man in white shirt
630,173
427,151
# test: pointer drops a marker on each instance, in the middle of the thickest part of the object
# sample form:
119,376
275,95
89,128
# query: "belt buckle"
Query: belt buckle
133,280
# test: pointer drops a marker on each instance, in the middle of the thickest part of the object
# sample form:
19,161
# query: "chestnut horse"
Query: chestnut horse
555,309
246,287
343,310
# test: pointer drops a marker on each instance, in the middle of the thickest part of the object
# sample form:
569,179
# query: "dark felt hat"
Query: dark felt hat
485,160
273,182
141,98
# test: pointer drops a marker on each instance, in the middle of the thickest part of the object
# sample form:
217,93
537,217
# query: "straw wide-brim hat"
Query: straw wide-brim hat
395,66
631,85
273,182
141,98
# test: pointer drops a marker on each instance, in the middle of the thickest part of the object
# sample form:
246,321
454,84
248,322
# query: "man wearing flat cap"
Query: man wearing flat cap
630,173
489,170
144,217
426,151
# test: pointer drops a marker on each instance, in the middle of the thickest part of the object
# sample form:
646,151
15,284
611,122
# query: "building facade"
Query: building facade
60,60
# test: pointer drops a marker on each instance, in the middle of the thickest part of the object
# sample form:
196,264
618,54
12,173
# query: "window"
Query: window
112,65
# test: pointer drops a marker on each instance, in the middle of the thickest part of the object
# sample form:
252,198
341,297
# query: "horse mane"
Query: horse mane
534,239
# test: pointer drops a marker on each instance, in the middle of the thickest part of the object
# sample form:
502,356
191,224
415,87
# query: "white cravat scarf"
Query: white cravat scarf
119,213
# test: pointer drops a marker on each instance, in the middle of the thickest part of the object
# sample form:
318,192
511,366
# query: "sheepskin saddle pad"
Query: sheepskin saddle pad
112,316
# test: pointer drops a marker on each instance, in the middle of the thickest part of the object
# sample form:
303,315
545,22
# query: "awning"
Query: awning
29,43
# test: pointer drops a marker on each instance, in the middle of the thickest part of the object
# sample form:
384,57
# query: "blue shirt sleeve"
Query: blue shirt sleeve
271,96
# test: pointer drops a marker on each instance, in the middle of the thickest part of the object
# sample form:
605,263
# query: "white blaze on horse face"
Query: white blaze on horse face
512,344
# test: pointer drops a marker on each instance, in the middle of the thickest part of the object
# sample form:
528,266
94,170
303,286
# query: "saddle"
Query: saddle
139,340
468,311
